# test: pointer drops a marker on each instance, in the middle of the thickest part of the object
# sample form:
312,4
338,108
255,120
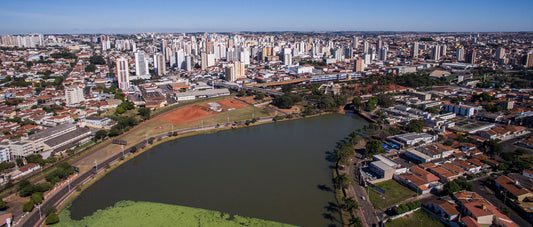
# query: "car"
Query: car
363,198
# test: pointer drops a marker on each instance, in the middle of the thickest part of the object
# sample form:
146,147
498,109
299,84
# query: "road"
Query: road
370,217
254,89
487,193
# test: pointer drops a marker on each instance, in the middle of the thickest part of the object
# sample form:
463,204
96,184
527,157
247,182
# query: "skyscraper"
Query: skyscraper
141,65
529,60
355,42
365,47
180,59
460,54
159,64
287,56
500,53
471,57
436,53
234,71
415,51
188,63
123,74
382,53
359,65
203,59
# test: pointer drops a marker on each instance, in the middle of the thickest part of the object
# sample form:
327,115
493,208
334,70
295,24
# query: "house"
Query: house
6,218
486,214
469,222
512,188
467,166
444,174
453,168
445,210
25,170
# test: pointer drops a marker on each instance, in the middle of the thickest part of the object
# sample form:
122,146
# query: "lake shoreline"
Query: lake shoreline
172,138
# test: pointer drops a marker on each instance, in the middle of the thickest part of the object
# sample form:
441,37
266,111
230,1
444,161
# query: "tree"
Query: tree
144,112
52,219
3,204
35,158
357,102
350,204
493,147
133,149
37,198
283,102
90,68
326,102
100,134
372,103
415,126
28,206
97,60
373,147
259,96
49,210
6,165
343,181
286,88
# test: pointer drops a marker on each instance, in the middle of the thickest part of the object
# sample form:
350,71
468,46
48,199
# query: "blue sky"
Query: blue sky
132,16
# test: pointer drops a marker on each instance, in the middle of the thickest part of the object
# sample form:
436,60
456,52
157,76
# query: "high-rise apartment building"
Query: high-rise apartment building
141,65
159,64
460,53
415,50
123,74
74,95
359,65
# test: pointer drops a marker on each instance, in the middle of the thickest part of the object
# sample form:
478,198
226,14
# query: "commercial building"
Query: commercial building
463,110
413,138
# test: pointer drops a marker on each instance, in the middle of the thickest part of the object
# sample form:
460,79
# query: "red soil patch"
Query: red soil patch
232,103
198,111
187,114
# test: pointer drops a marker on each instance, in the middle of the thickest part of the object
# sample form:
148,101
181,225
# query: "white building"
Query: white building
413,138
141,65
74,95
5,155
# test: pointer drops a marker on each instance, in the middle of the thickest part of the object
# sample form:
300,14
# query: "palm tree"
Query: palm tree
350,204
343,181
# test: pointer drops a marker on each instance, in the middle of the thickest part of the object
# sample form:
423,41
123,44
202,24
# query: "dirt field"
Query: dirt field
199,111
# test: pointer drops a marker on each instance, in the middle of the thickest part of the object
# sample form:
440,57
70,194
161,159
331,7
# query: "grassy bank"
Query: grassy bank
394,193
418,218
129,213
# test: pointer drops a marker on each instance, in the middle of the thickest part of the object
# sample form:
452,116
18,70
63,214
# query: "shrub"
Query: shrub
28,206
52,219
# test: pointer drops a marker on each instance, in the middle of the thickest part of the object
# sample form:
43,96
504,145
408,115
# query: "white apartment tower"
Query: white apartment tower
141,65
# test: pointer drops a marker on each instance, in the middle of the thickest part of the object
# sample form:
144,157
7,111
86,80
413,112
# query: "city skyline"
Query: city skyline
66,17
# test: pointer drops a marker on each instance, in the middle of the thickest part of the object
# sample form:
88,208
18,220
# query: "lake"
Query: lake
276,171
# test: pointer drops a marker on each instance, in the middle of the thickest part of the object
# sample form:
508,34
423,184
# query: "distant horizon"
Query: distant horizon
274,31
165,16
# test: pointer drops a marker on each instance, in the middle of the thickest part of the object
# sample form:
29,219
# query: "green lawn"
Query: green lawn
394,193
129,213
418,218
